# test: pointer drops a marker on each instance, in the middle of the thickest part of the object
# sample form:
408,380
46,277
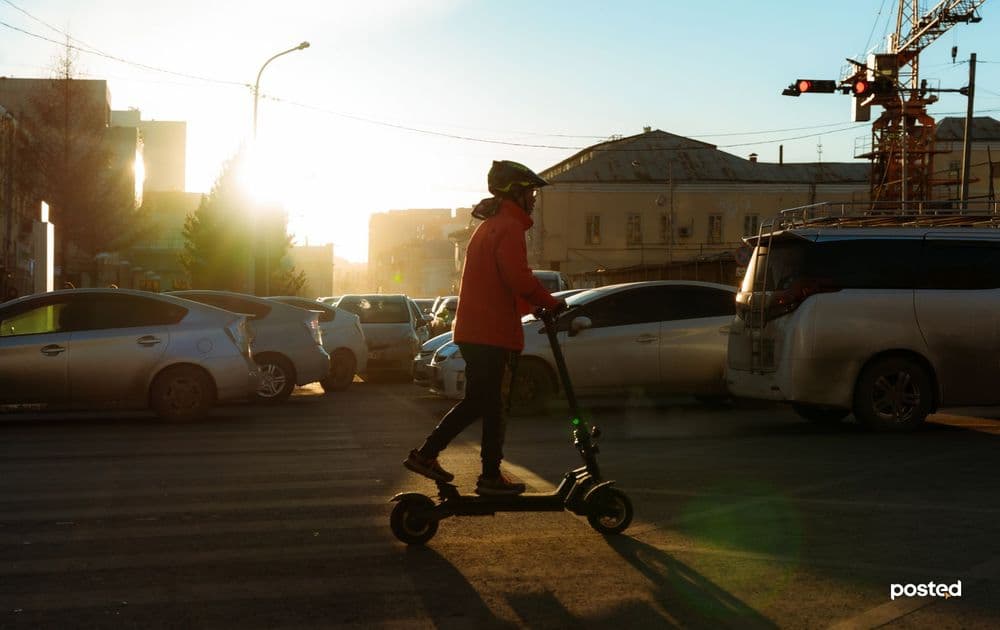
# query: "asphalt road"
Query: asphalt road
278,517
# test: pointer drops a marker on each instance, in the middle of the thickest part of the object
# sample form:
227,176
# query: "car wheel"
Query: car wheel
531,388
893,394
820,413
277,379
342,368
182,393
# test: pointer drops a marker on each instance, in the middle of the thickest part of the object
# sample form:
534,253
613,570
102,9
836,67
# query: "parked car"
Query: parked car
444,316
390,331
425,304
889,323
287,341
93,347
343,340
658,337
422,373
421,322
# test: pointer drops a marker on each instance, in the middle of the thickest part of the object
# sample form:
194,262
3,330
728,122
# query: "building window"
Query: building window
751,224
664,228
715,228
593,235
633,230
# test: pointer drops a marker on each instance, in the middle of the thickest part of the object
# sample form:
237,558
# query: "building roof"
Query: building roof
984,129
658,156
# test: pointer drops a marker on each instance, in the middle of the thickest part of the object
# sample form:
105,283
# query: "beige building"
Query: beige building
164,149
661,200
413,252
316,262
984,159
349,277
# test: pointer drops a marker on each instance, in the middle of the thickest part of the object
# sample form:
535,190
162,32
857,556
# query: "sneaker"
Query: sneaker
428,467
498,486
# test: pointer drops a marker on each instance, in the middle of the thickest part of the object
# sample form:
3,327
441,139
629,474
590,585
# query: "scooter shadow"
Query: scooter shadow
689,598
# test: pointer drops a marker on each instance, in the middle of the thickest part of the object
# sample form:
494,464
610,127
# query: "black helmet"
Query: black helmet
507,178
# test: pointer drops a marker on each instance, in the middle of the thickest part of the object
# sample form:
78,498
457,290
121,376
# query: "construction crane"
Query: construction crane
902,141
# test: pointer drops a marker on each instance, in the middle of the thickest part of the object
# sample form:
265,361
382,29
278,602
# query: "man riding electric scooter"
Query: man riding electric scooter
497,289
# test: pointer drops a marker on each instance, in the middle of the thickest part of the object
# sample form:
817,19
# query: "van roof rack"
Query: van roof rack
937,213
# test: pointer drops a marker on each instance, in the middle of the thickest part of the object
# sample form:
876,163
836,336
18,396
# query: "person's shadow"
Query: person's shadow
448,598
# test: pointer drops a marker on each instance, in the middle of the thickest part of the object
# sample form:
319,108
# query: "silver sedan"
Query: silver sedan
93,347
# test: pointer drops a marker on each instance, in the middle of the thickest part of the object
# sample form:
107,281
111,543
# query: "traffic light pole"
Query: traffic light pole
967,142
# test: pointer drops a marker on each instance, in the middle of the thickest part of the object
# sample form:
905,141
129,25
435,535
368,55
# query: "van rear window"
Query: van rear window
847,263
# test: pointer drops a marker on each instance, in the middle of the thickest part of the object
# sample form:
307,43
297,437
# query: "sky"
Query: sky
404,103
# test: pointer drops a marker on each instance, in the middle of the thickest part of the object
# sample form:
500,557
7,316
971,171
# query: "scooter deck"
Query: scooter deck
451,500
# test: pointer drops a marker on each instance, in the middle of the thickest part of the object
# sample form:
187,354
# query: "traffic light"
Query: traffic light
809,86
819,86
863,87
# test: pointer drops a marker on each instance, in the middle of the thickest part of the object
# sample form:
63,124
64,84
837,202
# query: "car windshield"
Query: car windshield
377,310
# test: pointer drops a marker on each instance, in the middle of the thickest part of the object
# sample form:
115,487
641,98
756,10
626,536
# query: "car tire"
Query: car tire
820,413
277,379
893,394
343,365
531,388
182,393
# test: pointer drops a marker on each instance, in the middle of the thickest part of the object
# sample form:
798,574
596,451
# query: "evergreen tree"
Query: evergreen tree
226,227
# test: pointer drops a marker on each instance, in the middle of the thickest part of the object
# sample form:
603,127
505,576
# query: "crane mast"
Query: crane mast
902,143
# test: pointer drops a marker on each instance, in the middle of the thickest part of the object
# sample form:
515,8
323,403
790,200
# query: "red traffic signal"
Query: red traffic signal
862,87
824,86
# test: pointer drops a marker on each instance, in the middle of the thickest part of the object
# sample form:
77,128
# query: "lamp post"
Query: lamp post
256,85
251,263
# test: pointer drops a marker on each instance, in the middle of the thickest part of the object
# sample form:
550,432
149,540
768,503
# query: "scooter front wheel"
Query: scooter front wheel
407,522
609,511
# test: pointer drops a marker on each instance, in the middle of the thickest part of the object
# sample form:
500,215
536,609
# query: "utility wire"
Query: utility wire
452,136
121,60
53,28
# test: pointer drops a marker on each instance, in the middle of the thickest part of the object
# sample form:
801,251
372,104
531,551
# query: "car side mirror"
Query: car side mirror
579,324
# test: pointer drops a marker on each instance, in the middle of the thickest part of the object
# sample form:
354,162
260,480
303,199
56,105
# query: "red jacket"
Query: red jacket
497,285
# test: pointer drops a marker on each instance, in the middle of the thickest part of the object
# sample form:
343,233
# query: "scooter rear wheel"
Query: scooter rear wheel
609,511
407,524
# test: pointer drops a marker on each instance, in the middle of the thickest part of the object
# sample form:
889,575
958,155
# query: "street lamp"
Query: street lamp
256,86
252,262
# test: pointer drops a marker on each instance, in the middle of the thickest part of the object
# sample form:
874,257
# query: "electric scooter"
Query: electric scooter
415,517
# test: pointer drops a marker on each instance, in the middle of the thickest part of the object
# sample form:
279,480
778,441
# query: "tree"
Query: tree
67,158
226,227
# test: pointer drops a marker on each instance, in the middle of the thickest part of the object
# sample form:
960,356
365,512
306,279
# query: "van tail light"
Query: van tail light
787,300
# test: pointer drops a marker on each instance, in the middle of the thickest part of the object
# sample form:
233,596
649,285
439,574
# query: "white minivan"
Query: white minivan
888,318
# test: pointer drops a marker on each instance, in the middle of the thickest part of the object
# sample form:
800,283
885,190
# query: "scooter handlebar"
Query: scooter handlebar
548,315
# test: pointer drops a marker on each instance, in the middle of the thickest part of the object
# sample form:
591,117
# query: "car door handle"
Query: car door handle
148,340
646,338
52,350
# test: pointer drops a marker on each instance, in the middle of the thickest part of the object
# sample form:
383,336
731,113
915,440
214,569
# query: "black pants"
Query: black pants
485,370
